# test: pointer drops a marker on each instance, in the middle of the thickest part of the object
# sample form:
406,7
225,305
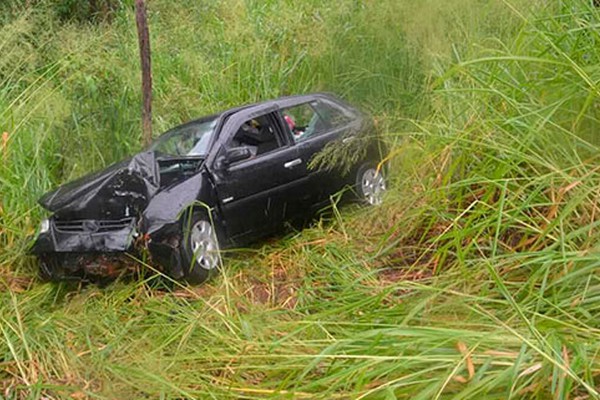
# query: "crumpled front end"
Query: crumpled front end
161,221
85,249
99,212
120,209
122,190
85,236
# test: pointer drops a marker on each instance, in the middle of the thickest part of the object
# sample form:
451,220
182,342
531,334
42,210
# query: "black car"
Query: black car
220,181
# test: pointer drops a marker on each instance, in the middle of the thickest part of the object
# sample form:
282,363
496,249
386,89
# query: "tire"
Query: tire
370,184
200,251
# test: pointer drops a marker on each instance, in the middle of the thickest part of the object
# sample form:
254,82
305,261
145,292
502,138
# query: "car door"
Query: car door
313,125
253,193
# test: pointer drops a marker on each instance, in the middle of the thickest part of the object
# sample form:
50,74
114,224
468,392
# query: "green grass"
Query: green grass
477,278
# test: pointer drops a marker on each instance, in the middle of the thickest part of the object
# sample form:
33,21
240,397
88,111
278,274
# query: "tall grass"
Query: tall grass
477,278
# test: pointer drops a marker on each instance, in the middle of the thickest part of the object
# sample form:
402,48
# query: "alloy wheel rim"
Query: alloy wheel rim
204,245
373,186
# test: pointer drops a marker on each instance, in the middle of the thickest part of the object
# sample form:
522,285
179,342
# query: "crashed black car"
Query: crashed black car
220,181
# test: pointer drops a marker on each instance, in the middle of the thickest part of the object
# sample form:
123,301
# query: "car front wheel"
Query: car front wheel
200,253
370,184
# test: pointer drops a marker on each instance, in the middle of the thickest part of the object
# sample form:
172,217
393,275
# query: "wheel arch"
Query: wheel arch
211,214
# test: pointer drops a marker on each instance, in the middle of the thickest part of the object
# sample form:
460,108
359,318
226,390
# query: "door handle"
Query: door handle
293,163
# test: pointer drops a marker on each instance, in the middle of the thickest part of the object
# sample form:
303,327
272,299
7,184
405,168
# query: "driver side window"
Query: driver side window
259,135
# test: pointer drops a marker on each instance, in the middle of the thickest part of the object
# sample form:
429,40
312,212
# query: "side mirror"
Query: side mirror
234,155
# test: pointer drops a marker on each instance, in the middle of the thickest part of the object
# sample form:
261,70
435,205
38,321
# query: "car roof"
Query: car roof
286,100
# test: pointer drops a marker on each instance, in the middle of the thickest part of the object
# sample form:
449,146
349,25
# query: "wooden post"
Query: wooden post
144,41
4,147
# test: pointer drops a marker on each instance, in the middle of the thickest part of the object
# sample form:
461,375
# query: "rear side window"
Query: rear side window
335,116
314,118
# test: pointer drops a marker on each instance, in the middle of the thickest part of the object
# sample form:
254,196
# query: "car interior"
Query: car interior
257,134
304,121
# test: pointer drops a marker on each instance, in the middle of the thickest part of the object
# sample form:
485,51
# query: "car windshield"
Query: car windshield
191,139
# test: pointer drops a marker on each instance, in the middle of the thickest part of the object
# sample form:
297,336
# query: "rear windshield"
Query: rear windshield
191,139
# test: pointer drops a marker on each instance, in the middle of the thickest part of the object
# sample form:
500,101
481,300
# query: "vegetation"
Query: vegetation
477,278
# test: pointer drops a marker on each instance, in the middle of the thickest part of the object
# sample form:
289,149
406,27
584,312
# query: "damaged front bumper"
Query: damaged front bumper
96,248
86,236
87,248
122,209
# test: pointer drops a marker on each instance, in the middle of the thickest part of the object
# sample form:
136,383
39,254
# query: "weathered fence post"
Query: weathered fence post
144,41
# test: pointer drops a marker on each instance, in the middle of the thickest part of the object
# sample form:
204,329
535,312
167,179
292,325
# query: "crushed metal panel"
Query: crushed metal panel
120,190
167,205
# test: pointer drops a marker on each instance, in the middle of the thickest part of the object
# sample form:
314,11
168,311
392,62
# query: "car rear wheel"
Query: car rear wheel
200,253
370,184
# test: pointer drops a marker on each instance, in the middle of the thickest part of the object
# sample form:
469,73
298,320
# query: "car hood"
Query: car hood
123,189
